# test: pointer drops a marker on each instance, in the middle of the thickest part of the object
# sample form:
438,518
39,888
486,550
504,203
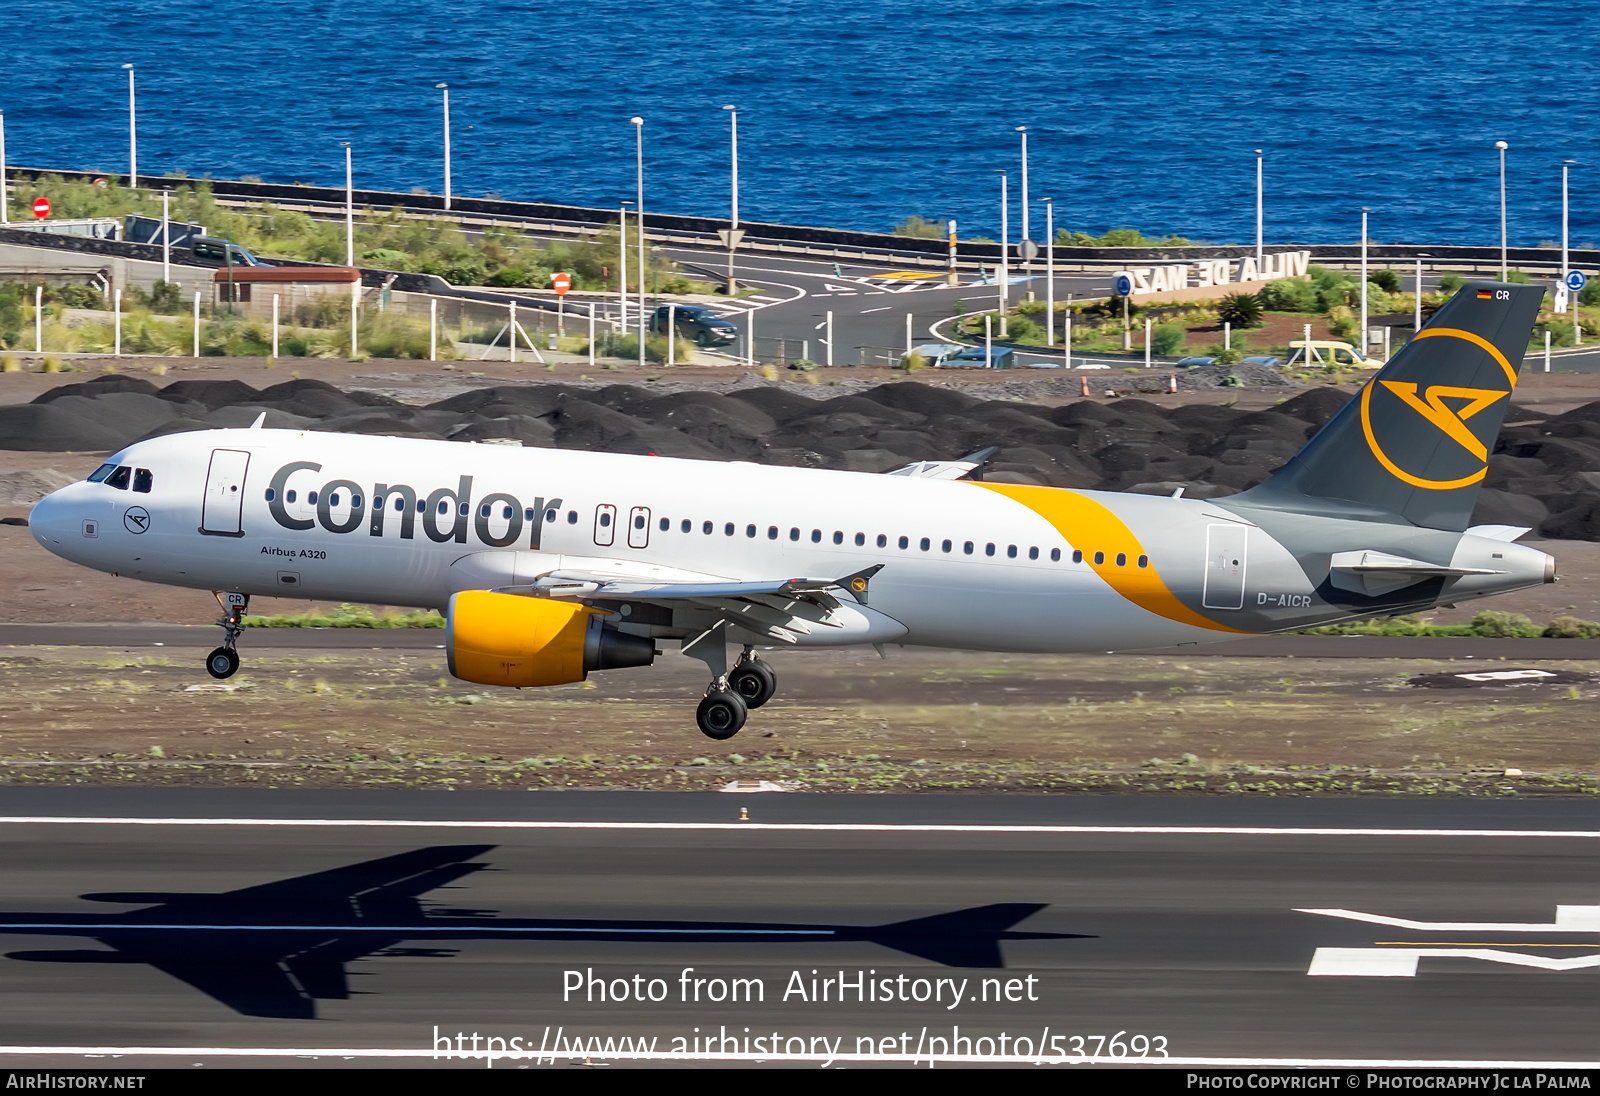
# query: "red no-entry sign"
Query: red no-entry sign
41,208
562,283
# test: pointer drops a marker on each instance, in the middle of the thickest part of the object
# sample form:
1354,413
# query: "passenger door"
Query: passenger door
1225,565
221,510
605,524
639,527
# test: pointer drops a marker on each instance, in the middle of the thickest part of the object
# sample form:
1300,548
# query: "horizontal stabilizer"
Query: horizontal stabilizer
1507,533
1374,573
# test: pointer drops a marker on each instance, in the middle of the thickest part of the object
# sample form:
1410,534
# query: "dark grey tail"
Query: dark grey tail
1414,444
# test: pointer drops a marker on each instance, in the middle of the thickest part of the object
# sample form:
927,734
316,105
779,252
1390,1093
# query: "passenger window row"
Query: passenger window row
924,544
123,477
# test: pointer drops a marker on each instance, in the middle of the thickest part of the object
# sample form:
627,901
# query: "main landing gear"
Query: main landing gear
224,661
731,696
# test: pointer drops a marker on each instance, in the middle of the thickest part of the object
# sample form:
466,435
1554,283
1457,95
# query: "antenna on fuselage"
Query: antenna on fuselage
261,418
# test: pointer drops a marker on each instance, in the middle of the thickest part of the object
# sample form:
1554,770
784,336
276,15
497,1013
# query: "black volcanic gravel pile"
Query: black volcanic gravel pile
1545,472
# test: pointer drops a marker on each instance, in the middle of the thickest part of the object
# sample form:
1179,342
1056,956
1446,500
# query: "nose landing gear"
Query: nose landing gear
224,661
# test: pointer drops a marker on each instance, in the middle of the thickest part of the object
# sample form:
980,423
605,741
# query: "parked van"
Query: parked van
209,250
1325,352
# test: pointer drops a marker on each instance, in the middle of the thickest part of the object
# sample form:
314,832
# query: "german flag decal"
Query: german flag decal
1484,295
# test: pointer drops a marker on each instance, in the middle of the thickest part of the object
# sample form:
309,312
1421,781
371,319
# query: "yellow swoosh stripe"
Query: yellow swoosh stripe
1094,528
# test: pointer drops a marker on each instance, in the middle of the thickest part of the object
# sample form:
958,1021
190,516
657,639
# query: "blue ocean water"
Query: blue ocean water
855,113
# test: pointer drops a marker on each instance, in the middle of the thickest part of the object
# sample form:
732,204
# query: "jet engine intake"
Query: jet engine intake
506,639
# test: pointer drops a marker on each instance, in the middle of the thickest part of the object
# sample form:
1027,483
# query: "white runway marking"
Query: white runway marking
1569,919
532,1054
1402,962
403,930
792,827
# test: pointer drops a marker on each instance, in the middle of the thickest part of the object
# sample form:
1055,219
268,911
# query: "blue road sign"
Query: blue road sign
1122,285
1574,280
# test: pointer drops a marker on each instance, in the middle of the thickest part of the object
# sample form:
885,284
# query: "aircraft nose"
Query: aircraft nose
61,518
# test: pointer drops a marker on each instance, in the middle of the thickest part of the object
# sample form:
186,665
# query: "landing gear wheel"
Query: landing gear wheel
223,662
721,714
754,681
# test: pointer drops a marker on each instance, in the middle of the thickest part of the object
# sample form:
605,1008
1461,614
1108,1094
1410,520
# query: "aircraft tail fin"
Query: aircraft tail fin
1414,443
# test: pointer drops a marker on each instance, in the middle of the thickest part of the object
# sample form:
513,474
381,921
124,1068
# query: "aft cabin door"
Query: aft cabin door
639,527
1225,563
605,524
224,501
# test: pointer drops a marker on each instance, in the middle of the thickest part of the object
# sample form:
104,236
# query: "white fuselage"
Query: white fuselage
963,565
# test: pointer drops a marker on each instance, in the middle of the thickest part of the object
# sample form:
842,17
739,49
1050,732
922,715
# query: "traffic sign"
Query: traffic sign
41,208
1028,250
1122,283
561,282
1574,280
730,236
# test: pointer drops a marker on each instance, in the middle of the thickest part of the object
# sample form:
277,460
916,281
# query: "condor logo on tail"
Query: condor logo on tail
1446,408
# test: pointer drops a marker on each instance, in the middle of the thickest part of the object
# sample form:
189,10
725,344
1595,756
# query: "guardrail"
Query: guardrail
824,243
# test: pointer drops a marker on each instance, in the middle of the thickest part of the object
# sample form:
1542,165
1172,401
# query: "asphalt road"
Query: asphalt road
141,925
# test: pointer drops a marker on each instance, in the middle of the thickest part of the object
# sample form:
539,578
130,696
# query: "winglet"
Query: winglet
261,418
978,460
856,584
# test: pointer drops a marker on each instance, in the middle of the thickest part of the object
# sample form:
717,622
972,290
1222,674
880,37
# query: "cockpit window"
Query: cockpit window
99,474
119,478
142,480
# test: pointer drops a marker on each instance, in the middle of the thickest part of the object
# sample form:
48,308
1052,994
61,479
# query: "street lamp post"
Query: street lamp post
1416,319
1049,271
1004,275
1027,263
638,157
1565,165
733,183
622,266
446,89
1501,146
166,235
1362,343
133,134
349,209
1259,238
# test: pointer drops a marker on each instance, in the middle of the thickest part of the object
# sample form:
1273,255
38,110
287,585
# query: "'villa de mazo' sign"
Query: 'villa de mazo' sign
1137,281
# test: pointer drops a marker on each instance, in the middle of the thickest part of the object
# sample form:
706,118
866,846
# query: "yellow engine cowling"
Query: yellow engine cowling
505,639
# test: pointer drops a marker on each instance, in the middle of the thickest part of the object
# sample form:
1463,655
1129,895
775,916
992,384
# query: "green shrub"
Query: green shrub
1023,330
1288,295
1450,281
920,227
1240,309
1342,322
1568,627
165,298
1518,277
627,348
1387,280
1167,338
1590,293
1233,355
1496,624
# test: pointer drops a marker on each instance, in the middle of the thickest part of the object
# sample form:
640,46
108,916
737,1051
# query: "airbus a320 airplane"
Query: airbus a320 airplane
549,564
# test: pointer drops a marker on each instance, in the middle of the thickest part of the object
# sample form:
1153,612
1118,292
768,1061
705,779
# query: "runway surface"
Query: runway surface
195,635
229,927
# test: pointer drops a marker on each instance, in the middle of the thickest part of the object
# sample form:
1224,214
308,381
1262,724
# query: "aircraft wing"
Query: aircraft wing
948,469
374,888
780,609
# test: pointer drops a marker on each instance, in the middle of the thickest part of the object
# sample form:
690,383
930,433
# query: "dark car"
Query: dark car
210,250
699,325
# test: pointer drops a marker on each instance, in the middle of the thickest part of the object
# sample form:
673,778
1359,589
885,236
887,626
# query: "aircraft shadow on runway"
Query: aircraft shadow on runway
276,949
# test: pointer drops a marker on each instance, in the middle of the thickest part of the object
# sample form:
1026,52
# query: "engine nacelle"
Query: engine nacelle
506,639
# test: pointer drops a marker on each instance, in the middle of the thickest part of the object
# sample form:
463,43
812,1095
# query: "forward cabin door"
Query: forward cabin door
1225,564
221,511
